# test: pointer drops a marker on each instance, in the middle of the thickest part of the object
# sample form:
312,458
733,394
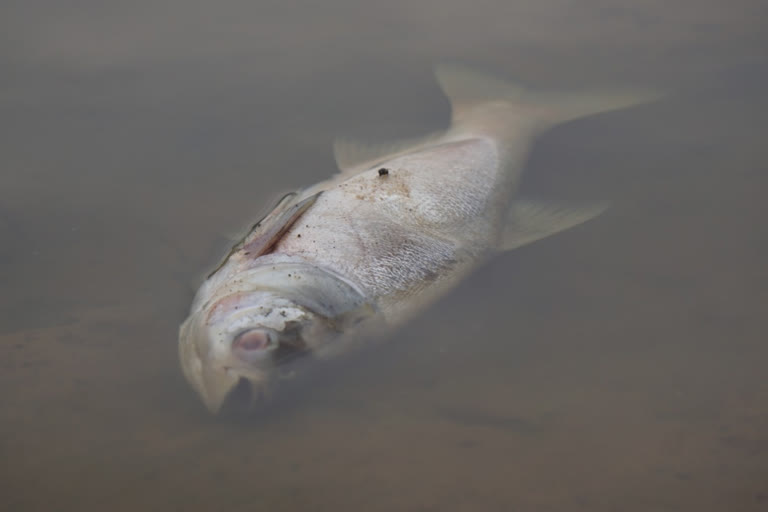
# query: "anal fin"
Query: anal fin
531,220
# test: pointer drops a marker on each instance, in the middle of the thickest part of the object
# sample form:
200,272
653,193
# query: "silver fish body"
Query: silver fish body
363,251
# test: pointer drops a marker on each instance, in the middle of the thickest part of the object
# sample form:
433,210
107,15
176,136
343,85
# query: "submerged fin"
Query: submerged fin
531,220
469,90
482,103
352,156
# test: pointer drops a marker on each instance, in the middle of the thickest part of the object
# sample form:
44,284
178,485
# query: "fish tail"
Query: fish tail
482,102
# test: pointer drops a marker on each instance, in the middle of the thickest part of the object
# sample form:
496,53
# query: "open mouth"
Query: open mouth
248,395
240,399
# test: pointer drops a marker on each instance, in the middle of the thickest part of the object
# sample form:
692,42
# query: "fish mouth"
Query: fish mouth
243,398
227,391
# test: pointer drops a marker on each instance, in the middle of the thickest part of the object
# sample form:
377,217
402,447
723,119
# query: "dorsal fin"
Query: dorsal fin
353,156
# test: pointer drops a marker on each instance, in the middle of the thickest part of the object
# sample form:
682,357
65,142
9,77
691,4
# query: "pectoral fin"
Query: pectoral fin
269,229
531,220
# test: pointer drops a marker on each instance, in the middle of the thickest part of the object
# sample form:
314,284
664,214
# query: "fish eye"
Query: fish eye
254,344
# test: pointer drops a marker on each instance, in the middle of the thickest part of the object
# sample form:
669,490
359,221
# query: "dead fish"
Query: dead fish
398,226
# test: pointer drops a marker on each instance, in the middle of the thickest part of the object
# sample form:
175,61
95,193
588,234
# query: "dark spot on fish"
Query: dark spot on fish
247,253
282,313
289,275
383,171
430,275
298,235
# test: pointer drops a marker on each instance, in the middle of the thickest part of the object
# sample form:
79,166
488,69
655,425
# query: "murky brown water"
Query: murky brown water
619,366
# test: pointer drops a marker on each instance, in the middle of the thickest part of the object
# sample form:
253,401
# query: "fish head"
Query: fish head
231,350
236,346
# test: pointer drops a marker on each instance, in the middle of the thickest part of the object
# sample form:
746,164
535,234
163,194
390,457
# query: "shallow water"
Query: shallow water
618,366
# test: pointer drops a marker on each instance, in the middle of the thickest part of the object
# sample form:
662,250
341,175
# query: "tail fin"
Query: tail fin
472,93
